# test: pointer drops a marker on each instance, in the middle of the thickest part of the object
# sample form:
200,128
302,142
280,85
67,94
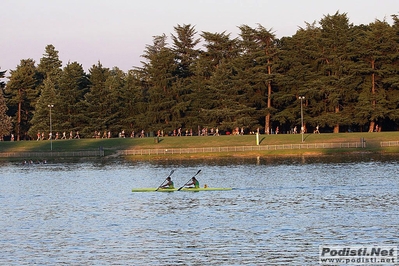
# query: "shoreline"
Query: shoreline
196,147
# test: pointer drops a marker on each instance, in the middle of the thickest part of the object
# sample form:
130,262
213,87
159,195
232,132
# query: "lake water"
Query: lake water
279,212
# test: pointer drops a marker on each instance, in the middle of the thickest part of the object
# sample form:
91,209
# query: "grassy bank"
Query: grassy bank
112,146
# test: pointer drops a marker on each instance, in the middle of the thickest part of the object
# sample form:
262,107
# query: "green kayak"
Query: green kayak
176,189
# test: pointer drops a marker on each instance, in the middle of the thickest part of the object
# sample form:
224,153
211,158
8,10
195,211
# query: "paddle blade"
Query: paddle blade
171,172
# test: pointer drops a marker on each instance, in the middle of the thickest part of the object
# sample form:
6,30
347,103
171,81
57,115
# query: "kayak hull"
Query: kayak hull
183,189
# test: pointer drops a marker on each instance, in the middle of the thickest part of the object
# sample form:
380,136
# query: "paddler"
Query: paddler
169,183
194,183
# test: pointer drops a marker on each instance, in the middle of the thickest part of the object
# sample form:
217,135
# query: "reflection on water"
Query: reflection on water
279,212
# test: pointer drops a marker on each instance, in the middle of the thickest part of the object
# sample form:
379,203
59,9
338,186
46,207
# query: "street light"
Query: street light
302,127
51,130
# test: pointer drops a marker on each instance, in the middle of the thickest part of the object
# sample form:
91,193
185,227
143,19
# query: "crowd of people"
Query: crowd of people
29,162
42,135
160,133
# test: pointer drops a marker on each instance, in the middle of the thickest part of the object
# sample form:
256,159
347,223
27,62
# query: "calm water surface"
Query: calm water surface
279,212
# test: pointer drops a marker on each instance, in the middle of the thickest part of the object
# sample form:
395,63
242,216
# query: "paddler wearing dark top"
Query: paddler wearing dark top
168,184
194,183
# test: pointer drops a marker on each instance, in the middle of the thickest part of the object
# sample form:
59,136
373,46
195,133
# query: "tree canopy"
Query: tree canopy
347,74
5,120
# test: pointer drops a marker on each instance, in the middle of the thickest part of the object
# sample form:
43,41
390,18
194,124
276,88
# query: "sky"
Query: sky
116,32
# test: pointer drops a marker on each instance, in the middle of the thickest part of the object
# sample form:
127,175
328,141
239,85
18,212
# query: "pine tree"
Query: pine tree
335,65
22,92
158,77
298,77
73,85
116,102
96,105
377,99
207,108
50,64
186,55
41,116
184,43
257,72
5,120
133,115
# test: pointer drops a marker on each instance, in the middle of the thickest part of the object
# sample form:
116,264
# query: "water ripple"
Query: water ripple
278,213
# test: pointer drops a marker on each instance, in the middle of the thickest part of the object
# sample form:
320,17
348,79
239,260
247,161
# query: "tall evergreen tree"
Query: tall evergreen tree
73,85
259,53
97,109
134,114
220,51
50,64
298,77
115,84
40,122
184,43
158,77
5,120
379,48
335,65
186,55
22,93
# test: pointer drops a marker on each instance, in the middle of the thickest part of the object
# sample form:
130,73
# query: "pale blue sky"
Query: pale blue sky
116,32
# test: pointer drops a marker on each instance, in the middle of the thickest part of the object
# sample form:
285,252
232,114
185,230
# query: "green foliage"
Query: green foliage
40,122
50,64
21,92
347,73
5,120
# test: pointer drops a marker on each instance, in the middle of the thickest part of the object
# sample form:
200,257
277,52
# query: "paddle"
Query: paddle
189,180
171,172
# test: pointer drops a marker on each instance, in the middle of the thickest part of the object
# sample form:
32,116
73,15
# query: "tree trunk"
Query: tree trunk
373,101
269,99
18,129
336,127
371,127
267,124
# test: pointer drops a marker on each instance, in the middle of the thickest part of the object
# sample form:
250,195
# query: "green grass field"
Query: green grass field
111,146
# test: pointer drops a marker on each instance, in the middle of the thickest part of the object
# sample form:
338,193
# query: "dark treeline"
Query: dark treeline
347,74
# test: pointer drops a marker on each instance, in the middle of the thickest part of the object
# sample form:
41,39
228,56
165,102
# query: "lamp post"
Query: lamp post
51,130
302,127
